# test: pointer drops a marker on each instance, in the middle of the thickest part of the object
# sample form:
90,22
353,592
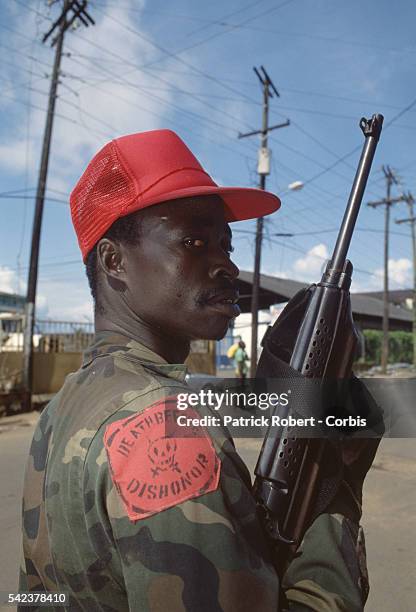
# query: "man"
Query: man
241,358
117,513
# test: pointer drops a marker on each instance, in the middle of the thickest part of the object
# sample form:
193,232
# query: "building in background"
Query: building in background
11,303
367,309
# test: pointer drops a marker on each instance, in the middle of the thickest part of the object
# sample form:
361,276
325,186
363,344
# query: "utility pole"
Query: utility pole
71,11
263,169
388,201
412,220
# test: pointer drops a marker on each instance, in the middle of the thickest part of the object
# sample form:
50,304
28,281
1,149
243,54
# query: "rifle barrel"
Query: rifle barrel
371,129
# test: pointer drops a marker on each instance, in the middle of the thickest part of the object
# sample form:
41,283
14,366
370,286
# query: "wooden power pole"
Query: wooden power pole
71,11
411,220
387,202
263,169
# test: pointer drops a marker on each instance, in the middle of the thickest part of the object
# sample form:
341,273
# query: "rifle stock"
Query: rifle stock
288,468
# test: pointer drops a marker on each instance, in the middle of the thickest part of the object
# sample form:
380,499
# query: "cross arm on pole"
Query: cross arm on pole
279,125
272,127
82,9
409,220
408,197
79,12
58,22
269,81
386,201
260,78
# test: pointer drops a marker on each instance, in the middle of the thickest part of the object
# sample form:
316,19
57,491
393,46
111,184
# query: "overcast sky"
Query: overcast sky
187,66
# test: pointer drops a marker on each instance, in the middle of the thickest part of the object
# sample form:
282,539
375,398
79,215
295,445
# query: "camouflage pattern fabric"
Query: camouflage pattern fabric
207,553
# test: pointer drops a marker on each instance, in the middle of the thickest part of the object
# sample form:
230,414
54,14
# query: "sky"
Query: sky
188,66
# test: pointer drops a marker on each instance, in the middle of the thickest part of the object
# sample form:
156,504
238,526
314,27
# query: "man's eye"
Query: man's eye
194,242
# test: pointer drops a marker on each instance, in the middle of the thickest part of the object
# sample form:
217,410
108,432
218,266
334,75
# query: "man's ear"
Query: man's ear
110,259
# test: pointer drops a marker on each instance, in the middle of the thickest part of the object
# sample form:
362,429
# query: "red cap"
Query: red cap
136,171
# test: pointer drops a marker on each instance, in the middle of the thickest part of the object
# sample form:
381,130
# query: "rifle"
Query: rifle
288,467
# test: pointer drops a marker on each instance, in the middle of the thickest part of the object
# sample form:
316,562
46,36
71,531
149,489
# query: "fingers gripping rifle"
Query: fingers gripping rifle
288,468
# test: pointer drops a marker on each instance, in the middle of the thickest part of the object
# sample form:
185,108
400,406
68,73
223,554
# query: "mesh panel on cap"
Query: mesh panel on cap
104,190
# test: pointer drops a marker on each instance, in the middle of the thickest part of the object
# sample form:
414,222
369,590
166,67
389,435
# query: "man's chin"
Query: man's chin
214,332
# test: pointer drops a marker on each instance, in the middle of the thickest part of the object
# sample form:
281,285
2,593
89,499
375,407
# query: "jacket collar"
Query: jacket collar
110,343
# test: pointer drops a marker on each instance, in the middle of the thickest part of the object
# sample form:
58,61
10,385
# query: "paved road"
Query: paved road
15,439
390,514
389,521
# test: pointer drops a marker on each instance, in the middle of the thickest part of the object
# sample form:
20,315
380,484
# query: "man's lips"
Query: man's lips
223,297
224,302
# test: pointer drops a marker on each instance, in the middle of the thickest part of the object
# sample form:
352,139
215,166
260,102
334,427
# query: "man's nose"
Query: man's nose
223,267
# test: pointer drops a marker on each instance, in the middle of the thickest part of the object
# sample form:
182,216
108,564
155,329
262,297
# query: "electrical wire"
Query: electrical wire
231,28
285,32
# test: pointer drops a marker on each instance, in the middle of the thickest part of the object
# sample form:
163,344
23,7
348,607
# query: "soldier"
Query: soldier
116,513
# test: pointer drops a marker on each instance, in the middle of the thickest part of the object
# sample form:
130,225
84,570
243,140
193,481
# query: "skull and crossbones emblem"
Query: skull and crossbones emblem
161,453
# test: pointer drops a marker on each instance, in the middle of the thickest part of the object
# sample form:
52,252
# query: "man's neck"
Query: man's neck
172,349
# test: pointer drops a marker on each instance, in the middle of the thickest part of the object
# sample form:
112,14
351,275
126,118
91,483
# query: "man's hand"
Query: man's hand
348,456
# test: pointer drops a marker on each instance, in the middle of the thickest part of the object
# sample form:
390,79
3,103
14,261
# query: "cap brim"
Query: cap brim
240,202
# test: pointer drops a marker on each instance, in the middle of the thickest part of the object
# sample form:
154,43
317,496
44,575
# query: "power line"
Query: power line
15,87
340,159
304,221
186,127
60,115
355,149
163,101
31,57
231,28
134,86
175,87
312,219
26,179
32,10
298,249
313,160
251,101
336,229
285,32
27,197
171,55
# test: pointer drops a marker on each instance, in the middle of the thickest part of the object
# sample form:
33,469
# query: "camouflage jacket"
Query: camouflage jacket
92,529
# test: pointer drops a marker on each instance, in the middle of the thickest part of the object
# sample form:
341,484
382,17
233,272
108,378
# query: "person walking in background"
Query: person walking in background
240,359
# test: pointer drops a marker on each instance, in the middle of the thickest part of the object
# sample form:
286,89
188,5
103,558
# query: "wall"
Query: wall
202,357
50,370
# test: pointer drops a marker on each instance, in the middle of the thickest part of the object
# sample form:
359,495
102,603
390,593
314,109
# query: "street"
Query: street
15,436
389,514
389,522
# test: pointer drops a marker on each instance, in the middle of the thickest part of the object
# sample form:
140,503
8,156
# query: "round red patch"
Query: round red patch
154,469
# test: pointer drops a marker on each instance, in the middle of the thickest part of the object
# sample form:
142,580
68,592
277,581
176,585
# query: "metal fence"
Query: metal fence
63,336
48,337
